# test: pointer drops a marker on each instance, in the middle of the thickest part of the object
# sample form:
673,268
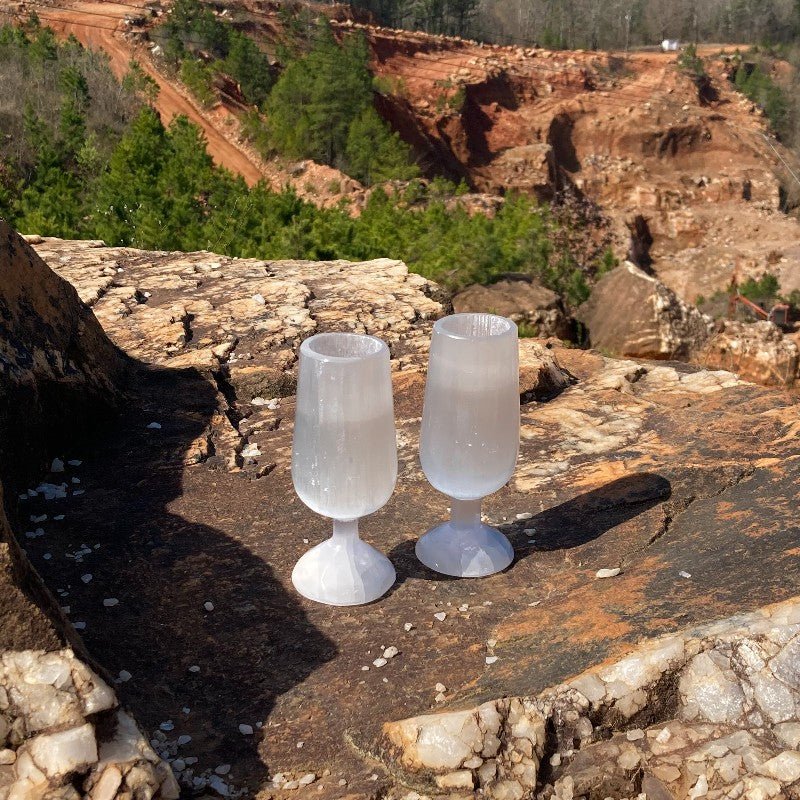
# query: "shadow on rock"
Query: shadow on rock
570,524
209,635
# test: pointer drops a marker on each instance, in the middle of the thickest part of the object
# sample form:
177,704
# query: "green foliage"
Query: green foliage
199,79
138,81
756,84
321,108
690,62
191,29
374,153
318,96
62,115
766,288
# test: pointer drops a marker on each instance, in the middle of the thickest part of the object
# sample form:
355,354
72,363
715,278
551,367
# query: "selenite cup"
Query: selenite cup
470,438
344,462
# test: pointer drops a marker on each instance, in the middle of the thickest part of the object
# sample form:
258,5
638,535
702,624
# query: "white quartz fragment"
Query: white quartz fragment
608,573
64,752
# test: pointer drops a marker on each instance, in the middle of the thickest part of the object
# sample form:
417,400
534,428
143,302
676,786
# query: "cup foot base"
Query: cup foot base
465,551
343,572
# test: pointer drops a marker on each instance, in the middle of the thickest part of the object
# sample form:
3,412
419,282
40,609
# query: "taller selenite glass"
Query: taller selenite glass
344,462
470,438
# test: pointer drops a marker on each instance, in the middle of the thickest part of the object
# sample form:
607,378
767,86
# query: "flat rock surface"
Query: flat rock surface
657,469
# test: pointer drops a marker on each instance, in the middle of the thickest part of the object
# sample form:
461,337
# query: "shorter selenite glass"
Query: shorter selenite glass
470,438
344,462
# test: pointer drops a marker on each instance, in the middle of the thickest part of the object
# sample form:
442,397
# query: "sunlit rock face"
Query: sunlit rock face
649,497
708,712
61,727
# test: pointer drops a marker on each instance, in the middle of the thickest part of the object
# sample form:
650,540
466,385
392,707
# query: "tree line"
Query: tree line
596,24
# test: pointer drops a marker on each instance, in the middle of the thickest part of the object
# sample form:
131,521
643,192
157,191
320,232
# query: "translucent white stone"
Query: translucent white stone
785,767
716,692
106,787
63,752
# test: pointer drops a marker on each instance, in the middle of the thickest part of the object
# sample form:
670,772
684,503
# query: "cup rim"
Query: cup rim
307,348
443,326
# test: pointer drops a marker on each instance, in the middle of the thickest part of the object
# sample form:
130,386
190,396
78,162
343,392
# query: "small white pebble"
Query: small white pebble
305,541
607,573
664,736
491,659
525,515
184,739
342,782
246,730
380,662
441,616
409,626
487,602
300,745
259,299
684,574
167,726
464,607
491,642
374,776
308,778
222,769
208,605
194,668
439,697
47,556
110,602
186,709
555,760
124,676
154,426
440,687
390,652
365,669
87,578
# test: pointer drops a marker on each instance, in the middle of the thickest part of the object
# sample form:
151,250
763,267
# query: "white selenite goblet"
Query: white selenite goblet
470,438
344,462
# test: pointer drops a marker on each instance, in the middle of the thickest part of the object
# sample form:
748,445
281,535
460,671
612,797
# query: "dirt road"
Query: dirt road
97,26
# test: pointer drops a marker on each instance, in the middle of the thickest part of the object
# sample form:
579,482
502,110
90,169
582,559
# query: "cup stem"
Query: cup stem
345,529
465,513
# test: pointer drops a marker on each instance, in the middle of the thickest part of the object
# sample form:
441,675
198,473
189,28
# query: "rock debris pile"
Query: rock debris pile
61,728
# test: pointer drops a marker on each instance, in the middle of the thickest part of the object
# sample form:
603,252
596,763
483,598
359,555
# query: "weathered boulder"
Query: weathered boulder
710,706
58,370
60,722
757,351
633,314
632,469
525,301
